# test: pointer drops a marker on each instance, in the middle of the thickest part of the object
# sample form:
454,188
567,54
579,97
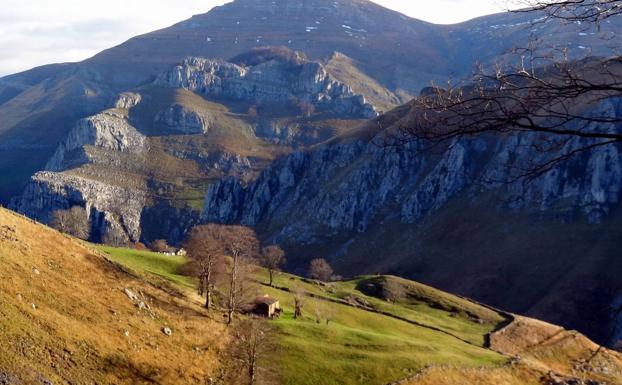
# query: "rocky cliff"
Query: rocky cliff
347,186
387,57
106,153
108,130
275,82
113,211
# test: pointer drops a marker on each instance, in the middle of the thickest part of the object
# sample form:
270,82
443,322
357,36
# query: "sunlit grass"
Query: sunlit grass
356,346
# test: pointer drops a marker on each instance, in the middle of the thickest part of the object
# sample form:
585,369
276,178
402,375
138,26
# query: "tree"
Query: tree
159,246
299,301
320,269
318,311
253,112
323,310
74,221
590,11
252,342
330,313
241,244
272,258
115,236
205,250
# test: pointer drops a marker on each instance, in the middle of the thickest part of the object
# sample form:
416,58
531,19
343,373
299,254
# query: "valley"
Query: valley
399,155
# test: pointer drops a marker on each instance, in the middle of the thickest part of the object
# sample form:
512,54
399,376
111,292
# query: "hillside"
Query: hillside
271,114
66,317
384,328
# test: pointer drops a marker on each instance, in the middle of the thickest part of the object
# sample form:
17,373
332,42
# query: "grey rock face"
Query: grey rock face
223,161
107,130
269,82
130,294
344,187
178,118
127,100
114,212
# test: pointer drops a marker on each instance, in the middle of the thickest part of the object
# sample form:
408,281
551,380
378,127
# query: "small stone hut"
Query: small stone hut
266,306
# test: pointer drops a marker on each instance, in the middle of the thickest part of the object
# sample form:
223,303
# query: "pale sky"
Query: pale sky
37,32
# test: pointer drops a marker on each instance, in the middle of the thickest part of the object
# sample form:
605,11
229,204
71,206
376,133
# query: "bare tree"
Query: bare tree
330,312
320,269
115,237
591,11
252,341
160,246
318,311
205,250
241,244
74,221
253,112
272,258
323,310
544,94
557,103
299,301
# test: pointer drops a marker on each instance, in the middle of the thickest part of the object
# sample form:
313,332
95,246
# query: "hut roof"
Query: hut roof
265,300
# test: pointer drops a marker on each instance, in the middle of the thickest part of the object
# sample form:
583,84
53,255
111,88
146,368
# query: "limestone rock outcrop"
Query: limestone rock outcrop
273,81
114,212
108,130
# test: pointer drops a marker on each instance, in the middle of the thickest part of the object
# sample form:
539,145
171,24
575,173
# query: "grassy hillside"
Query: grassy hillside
383,328
358,346
66,317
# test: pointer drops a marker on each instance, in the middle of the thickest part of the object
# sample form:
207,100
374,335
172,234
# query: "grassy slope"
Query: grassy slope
75,333
357,346
347,71
362,347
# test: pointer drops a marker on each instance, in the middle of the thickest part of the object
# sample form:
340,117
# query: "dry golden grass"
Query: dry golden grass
347,71
538,348
515,375
83,328
548,347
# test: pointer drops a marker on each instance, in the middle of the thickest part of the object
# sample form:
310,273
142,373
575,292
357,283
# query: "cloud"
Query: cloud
37,32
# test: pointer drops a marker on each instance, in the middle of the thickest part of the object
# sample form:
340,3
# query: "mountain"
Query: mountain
264,107
399,54
76,313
